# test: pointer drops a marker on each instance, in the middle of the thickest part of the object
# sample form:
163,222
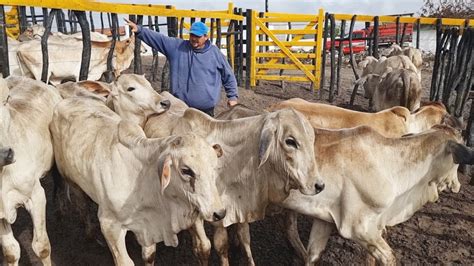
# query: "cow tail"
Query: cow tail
404,100
60,191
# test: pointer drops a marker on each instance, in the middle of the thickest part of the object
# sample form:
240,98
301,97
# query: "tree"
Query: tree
448,8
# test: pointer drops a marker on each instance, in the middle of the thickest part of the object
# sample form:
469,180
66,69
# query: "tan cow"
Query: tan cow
65,58
25,114
152,187
374,182
399,87
393,122
264,158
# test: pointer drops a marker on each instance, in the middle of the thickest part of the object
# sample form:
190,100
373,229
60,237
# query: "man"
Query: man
197,68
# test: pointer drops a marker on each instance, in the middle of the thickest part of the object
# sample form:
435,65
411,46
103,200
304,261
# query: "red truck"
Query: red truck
386,37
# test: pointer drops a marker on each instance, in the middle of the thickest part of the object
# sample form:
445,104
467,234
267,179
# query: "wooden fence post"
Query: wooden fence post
4,44
44,45
86,44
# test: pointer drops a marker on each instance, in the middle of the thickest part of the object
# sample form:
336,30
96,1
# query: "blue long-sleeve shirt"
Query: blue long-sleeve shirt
196,74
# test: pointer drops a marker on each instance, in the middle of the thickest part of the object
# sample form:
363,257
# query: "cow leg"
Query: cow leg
221,243
10,247
36,206
115,237
377,247
148,255
291,228
243,232
201,244
370,260
318,239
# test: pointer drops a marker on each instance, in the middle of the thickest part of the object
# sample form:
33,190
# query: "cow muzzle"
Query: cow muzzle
7,156
219,215
319,187
165,104
312,190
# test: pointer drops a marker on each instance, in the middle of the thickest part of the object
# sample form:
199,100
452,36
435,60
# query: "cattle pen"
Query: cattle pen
274,57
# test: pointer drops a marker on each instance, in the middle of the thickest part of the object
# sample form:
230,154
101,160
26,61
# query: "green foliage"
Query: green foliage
448,8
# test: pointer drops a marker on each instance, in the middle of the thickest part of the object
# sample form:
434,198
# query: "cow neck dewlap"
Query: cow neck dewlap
239,174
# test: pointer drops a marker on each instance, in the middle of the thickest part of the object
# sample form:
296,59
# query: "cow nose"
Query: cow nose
10,154
165,104
217,216
319,187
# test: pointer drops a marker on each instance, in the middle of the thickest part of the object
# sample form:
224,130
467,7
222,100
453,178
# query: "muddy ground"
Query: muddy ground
440,233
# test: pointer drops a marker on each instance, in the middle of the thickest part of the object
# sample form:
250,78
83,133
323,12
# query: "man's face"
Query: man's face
197,42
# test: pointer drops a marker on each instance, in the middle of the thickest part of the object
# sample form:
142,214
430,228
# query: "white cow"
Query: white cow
65,58
414,54
399,87
152,187
36,31
25,117
375,70
264,158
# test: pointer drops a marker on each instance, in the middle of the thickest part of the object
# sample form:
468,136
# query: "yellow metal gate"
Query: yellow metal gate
263,27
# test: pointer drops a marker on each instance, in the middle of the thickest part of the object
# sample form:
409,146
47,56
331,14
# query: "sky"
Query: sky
365,7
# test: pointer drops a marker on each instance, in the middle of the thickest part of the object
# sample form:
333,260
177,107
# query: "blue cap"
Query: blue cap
199,29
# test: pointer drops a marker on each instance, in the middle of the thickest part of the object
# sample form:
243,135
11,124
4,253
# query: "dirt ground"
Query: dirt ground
440,233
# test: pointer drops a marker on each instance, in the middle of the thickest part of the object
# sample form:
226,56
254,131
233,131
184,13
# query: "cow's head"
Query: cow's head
185,168
370,83
287,140
135,99
430,114
124,51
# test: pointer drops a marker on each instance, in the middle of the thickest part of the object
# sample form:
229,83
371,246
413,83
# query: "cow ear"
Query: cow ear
96,88
453,121
166,173
177,142
218,150
461,154
267,140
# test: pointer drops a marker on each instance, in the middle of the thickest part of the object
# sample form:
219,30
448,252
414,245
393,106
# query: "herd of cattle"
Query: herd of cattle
156,167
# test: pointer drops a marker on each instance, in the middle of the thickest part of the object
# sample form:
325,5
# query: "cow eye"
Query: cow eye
187,171
130,89
291,142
